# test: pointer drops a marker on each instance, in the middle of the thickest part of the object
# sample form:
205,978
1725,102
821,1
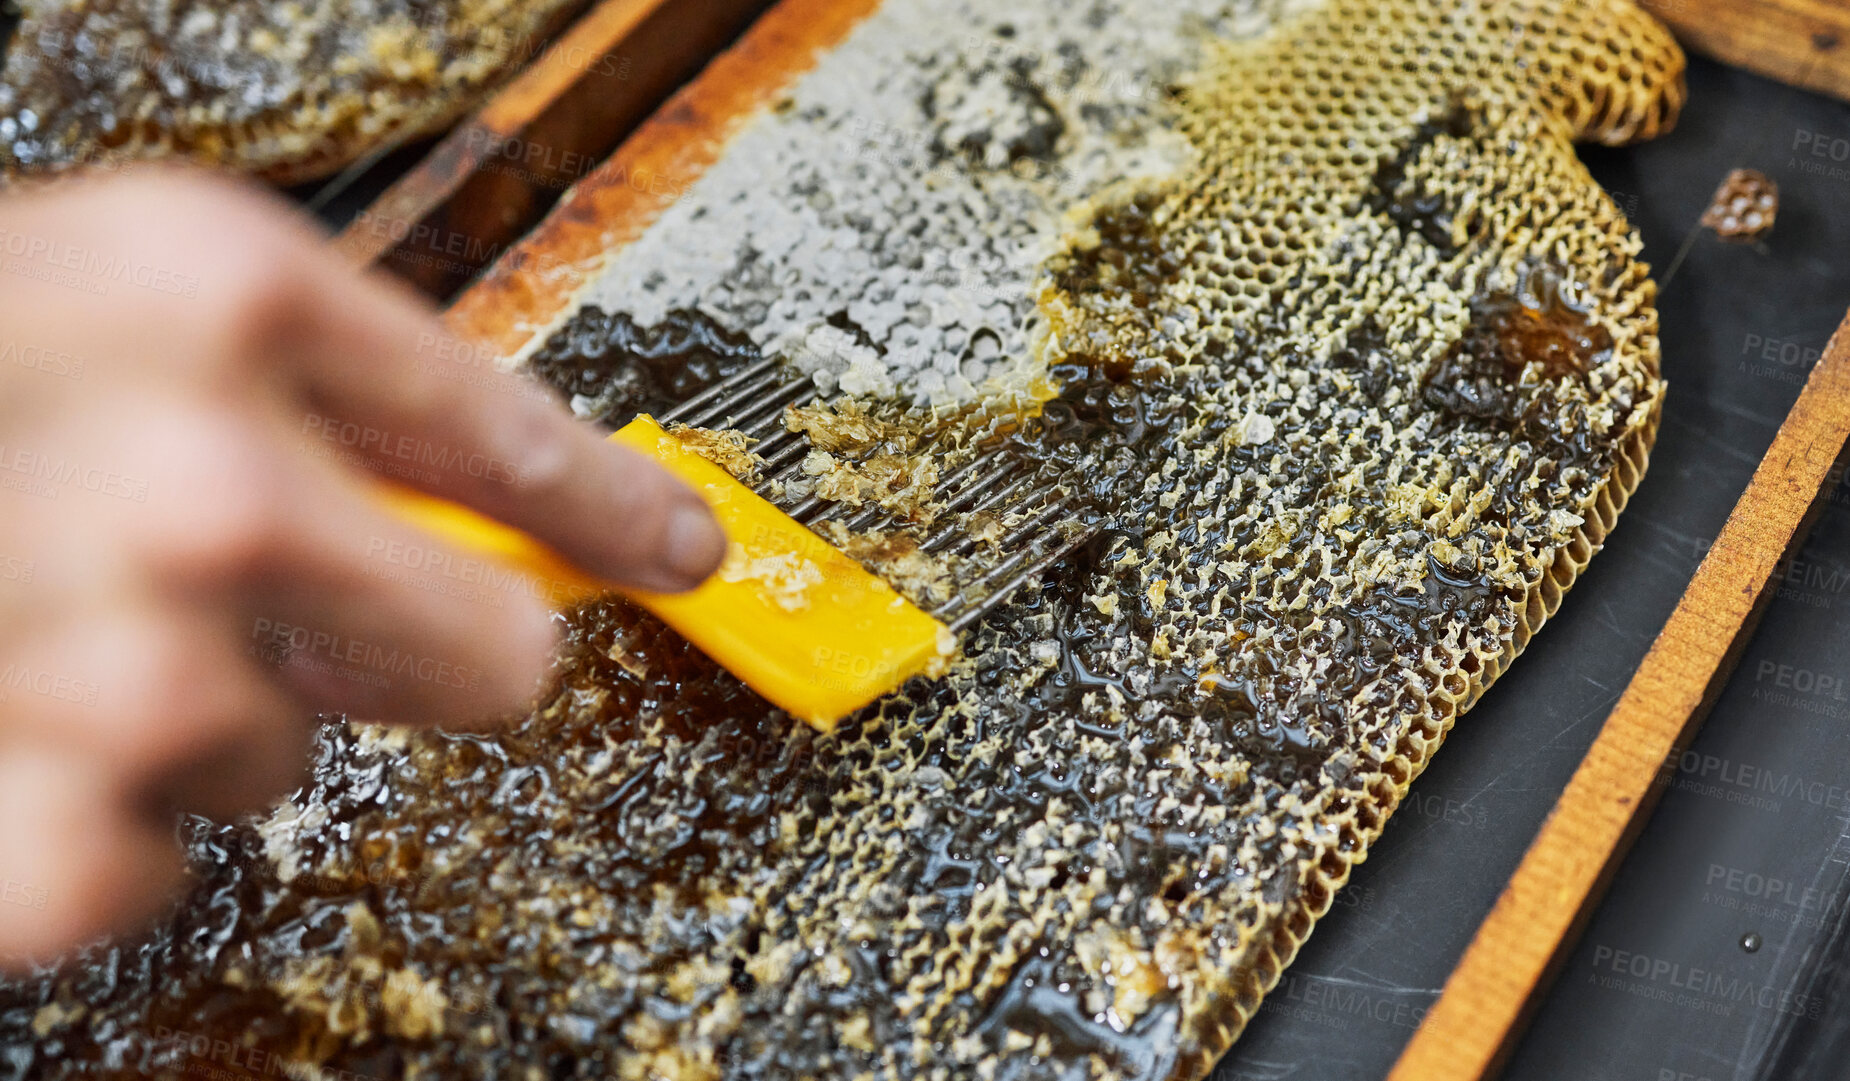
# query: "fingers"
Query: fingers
490,442
72,866
348,630
369,373
164,703
302,563
380,377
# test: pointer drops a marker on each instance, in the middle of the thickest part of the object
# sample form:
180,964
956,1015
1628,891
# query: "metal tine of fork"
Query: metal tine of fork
786,466
950,531
1033,521
784,461
875,515
777,448
767,414
960,621
868,519
950,485
816,509
805,511
734,409
964,472
722,389
812,512
976,488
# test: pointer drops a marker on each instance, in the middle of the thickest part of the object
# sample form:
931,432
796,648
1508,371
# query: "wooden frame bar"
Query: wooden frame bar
496,174
1487,1001
1800,42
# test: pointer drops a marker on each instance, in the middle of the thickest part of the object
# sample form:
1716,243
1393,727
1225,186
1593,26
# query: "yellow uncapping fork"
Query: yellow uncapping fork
850,637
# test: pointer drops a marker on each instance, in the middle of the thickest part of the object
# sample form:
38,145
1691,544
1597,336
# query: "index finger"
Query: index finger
377,369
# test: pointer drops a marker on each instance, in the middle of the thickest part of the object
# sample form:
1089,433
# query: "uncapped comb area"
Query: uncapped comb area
292,90
1357,368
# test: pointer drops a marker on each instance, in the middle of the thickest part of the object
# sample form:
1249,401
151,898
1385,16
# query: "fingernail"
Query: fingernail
693,544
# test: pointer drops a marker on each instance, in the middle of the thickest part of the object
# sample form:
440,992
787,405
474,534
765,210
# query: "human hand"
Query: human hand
191,386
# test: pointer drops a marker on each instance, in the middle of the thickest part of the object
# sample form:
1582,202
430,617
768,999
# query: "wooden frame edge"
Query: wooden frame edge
1488,999
468,145
1803,43
533,282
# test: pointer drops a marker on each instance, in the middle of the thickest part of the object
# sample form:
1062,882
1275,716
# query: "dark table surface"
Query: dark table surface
1715,954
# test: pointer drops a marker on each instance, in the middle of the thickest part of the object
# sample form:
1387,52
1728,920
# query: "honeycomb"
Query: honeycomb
290,90
1744,206
1356,369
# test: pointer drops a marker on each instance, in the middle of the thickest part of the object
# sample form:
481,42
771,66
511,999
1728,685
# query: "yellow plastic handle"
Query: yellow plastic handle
789,614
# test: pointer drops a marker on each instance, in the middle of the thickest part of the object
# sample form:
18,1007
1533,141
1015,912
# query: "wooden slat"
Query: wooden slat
612,206
1541,912
1802,42
497,173
413,196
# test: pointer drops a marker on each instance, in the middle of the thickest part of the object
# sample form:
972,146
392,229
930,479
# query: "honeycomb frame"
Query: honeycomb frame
299,854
